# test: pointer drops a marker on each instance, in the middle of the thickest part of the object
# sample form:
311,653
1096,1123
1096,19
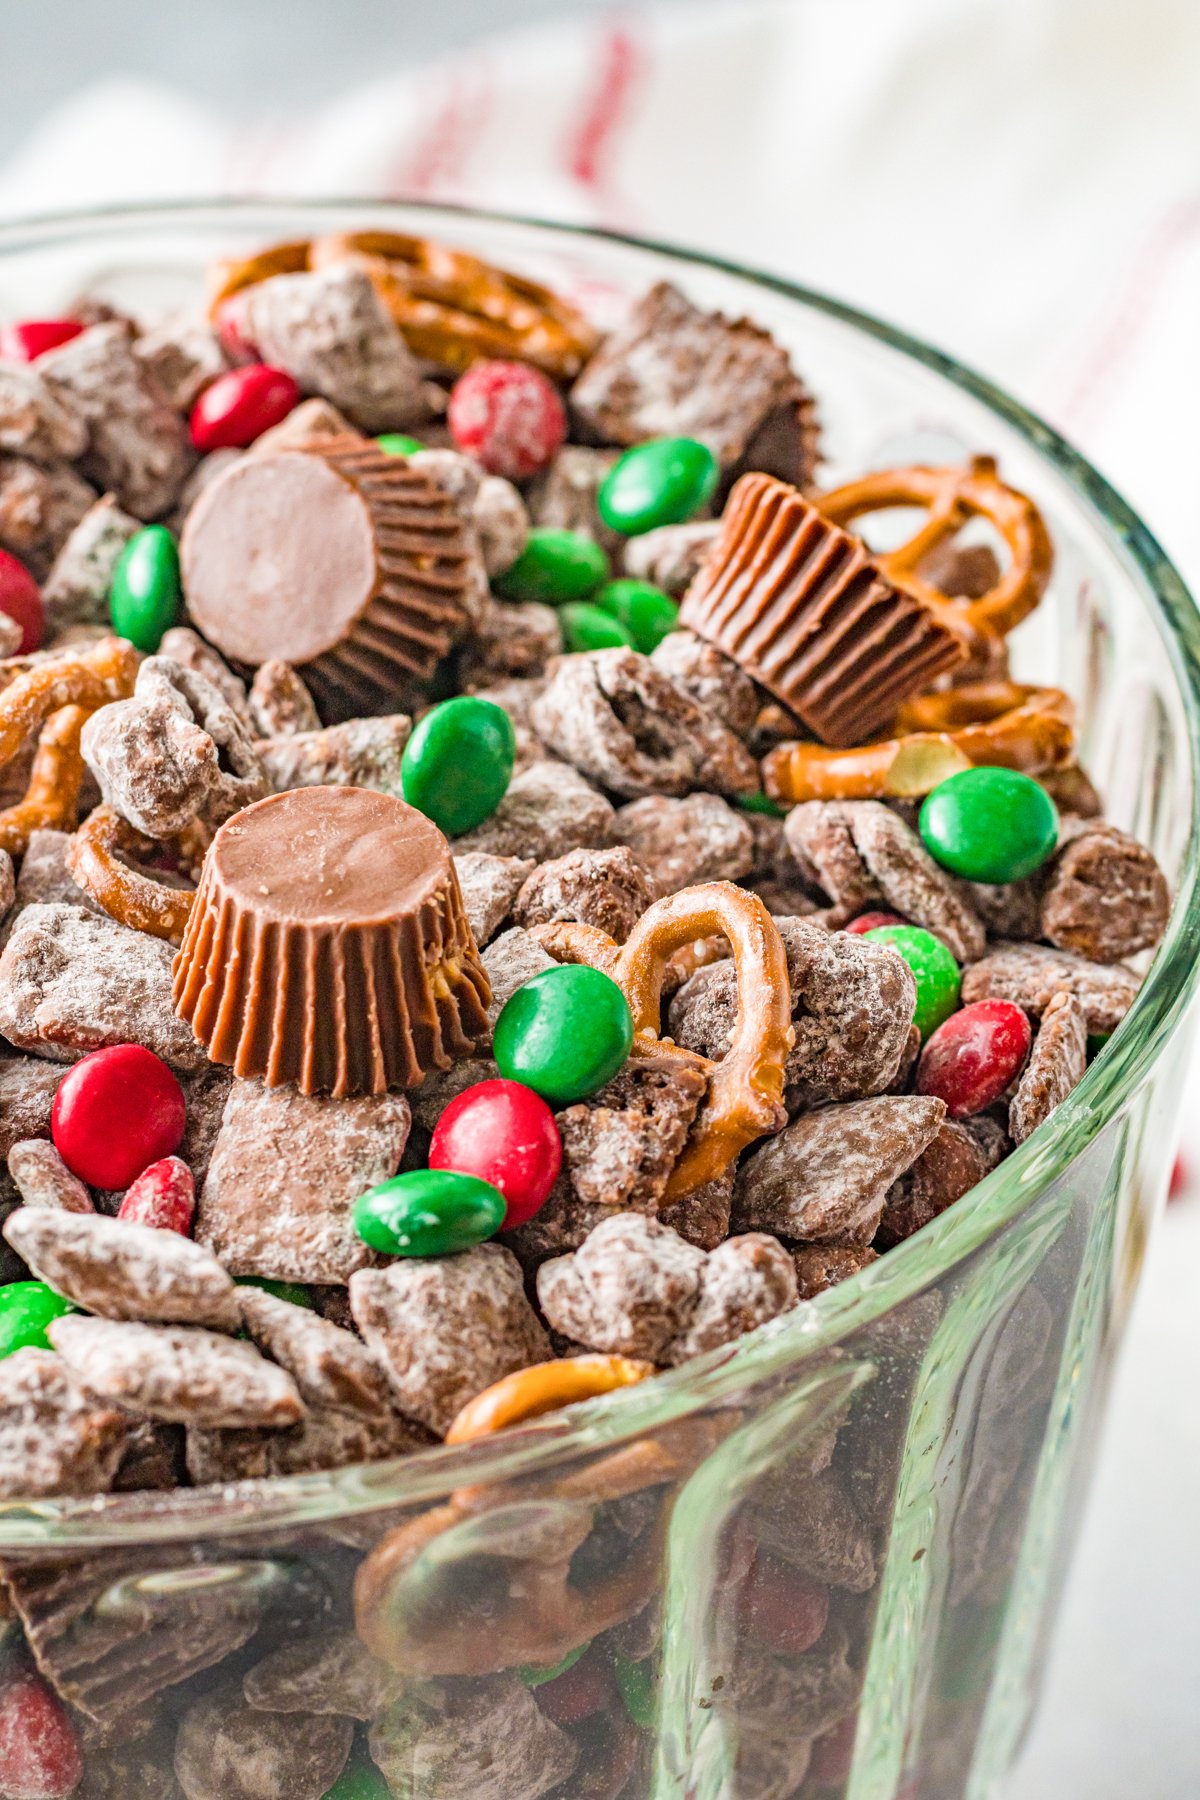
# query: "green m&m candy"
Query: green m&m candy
936,973
536,1677
761,803
638,1687
643,609
458,763
143,600
26,1308
294,1292
564,1033
991,825
398,443
360,1780
588,627
554,566
662,482
429,1212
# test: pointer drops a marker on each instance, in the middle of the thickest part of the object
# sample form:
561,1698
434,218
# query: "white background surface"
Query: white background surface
1018,180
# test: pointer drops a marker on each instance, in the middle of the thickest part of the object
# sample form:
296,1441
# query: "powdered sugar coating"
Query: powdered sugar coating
630,1289
702,1217
713,679
34,422
822,1266
123,1271
55,1436
444,1328
39,509
186,647
76,590
325,1439
825,1178
620,1146
486,1738
360,753
609,889
489,886
619,719
285,1171
184,354
1057,1063
42,1178
549,809
1030,975
746,1281
563,496
511,640
510,961
671,556
280,704
952,1164
226,1750
333,1673
179,1373
911,883
331,1367
1106,897
492,506
682,842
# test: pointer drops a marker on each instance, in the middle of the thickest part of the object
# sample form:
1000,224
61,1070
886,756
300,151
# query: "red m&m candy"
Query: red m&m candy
163,1196
508,416
239,406
782,1608
39,1752
504,1133
115,1113
972,1058
22,601
873,921
30,338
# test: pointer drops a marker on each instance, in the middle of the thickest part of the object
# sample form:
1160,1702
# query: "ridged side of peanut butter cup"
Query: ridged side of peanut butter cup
803,607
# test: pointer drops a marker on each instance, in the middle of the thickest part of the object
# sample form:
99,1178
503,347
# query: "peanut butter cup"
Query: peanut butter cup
329,947
339,557
806,610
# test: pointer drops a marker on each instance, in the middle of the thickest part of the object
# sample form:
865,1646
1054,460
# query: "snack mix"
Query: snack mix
504,892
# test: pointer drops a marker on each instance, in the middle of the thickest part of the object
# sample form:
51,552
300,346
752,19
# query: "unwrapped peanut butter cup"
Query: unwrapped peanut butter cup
329,948
336,556
804,608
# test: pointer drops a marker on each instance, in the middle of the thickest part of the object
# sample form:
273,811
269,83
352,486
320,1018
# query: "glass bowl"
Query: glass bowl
822,1562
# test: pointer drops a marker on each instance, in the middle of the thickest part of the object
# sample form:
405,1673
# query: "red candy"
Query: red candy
578,1693
509,416
239,406
163,1196
870,921
115,1113
30,338
973,1057
833,1753
20,599
783,1610
39,1752
504,1133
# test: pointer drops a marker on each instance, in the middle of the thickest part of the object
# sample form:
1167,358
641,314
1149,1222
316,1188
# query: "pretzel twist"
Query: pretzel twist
951,496
994,724
51,800
127,895
745,1089
543,1388
89,679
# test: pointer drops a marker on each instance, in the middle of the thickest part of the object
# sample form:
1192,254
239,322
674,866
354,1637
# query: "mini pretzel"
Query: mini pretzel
952,496
453,308
1031,731
745,1092
127,895
231,276
88,678
543,1388
52,797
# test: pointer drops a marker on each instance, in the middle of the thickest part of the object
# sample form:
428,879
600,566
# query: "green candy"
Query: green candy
588,627
26,1308
535,1677
564,1033
662,482
429,1212
293,1291
361,1781
937,974
554,566
143,600
991,825
458,763
1096,1041
761,803
398,443
647,614
638,1689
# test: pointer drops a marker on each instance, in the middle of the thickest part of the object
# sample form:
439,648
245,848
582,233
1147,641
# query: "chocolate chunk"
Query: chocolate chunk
285,1170
949,1167
124,1271
39,509
178,1373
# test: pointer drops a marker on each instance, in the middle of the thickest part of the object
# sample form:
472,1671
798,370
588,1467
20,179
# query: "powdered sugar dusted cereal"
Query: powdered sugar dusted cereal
280,704
609,889
1056,1064
56,1436
681,842
124,1271
620,1146
76,590
178,1373
548,810
360,753
227,1750
42,1178
489,886
1106,897
1030,975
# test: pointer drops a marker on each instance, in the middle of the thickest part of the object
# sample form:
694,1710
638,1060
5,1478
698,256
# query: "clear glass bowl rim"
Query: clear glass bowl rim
1127,1062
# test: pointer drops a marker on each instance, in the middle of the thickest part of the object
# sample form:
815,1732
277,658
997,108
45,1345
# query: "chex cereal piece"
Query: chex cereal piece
670,556
493,506
154,1459
549,809
179,1373
71,982
332,1673
489,886
682,842
34,422
183,353
512,640
286,1169
610,889
360,753
42,1178
56,1437
120,1770
76,589
138,446
815,1526
1057,1063
744,1282
324,1440
187,648
825,1178
441,1086
39,509
27,1089
280,704
331,1367
1106,897
1030,975
821,1266
1011,909
174,753
701,1217
713,679
123,1271
949,1167
563,496
445,1328
620,720
228,1751
486,1737
620,1146
511,960
44,879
